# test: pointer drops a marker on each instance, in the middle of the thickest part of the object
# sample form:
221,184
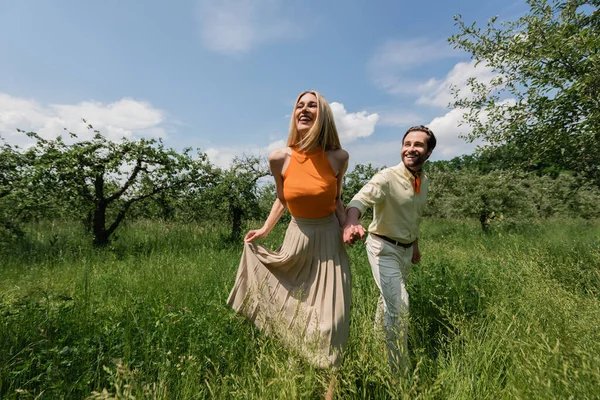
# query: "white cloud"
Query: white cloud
223,156
124,118
276,145
236,26
438,92
450,136
389,65
352,126
447,132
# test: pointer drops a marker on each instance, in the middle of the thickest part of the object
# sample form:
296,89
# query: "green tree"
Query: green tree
356,179
545,98
237,192
504,197
497,198
102,179
13,170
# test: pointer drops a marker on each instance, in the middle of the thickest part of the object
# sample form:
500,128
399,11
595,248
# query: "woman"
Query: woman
301,292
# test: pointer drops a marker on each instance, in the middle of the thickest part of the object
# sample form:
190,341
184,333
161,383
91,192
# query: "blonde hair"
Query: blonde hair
323,132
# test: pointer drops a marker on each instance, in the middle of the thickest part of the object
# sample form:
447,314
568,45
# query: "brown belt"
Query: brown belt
392,241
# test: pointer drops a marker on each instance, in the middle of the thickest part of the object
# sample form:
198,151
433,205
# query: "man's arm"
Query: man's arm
353,230
370,194
416,257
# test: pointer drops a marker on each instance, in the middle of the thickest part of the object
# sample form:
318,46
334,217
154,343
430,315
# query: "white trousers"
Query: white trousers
391,265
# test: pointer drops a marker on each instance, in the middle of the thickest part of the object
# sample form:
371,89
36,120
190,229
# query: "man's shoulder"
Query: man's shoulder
391,173
383,175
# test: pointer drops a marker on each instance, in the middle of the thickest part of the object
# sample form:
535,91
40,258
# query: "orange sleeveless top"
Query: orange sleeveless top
309,184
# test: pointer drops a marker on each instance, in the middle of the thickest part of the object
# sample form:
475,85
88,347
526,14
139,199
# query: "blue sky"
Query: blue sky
223,75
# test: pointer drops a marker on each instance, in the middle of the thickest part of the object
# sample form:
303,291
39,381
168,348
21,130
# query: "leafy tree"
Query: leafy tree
237,192
267,193
503,197
355,180
13,170
488,159
545,98
103,179
494,198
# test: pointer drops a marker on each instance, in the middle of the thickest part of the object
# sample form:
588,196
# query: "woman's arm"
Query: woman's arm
277,211
340,212
339,162
278,161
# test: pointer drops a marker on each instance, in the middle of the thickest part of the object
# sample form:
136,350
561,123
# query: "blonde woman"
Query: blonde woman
301,292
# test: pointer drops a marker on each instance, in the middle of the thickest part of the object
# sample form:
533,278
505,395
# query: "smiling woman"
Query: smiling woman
312,124
301,292
306,112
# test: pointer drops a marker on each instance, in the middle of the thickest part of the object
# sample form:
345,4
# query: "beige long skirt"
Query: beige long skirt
301,292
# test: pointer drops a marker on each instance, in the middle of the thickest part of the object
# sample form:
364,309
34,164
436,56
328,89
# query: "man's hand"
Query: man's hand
416,257
353,230
352,233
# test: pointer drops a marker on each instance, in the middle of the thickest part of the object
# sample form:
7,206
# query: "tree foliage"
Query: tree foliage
545,97
102,179
237,192
503,197
355,180
13,173
9,169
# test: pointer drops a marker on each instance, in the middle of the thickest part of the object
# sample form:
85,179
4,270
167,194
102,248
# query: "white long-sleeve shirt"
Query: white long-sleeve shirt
397,210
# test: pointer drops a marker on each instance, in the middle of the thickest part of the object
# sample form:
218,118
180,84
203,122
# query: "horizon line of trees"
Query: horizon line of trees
102,183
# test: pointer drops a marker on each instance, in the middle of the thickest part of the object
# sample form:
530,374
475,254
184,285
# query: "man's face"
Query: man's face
414,150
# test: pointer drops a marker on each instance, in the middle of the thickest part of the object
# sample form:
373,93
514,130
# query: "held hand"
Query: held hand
255,234
416,257
352,233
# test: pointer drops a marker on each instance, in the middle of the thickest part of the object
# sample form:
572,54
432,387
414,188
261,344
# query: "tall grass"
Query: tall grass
514,313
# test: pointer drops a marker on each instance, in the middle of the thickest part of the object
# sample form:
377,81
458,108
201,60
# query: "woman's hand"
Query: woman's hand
255,234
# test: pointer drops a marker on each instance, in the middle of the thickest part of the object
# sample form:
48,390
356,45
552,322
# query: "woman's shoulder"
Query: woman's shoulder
280,155
340,155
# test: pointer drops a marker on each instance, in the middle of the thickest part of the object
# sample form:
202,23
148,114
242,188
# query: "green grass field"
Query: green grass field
510,314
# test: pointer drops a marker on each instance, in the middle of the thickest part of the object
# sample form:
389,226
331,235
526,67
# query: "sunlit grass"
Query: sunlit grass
509,314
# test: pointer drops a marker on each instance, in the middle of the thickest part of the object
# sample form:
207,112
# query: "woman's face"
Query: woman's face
306,113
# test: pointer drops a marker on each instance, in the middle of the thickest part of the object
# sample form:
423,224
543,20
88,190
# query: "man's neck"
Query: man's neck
414,171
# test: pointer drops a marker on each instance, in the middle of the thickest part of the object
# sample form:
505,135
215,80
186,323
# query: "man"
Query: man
398,196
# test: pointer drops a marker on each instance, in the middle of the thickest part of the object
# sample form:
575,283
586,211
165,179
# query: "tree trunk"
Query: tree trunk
166,209
101,236
486,215
236,224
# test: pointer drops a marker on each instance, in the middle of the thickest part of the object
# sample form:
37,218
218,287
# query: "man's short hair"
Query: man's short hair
431,140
